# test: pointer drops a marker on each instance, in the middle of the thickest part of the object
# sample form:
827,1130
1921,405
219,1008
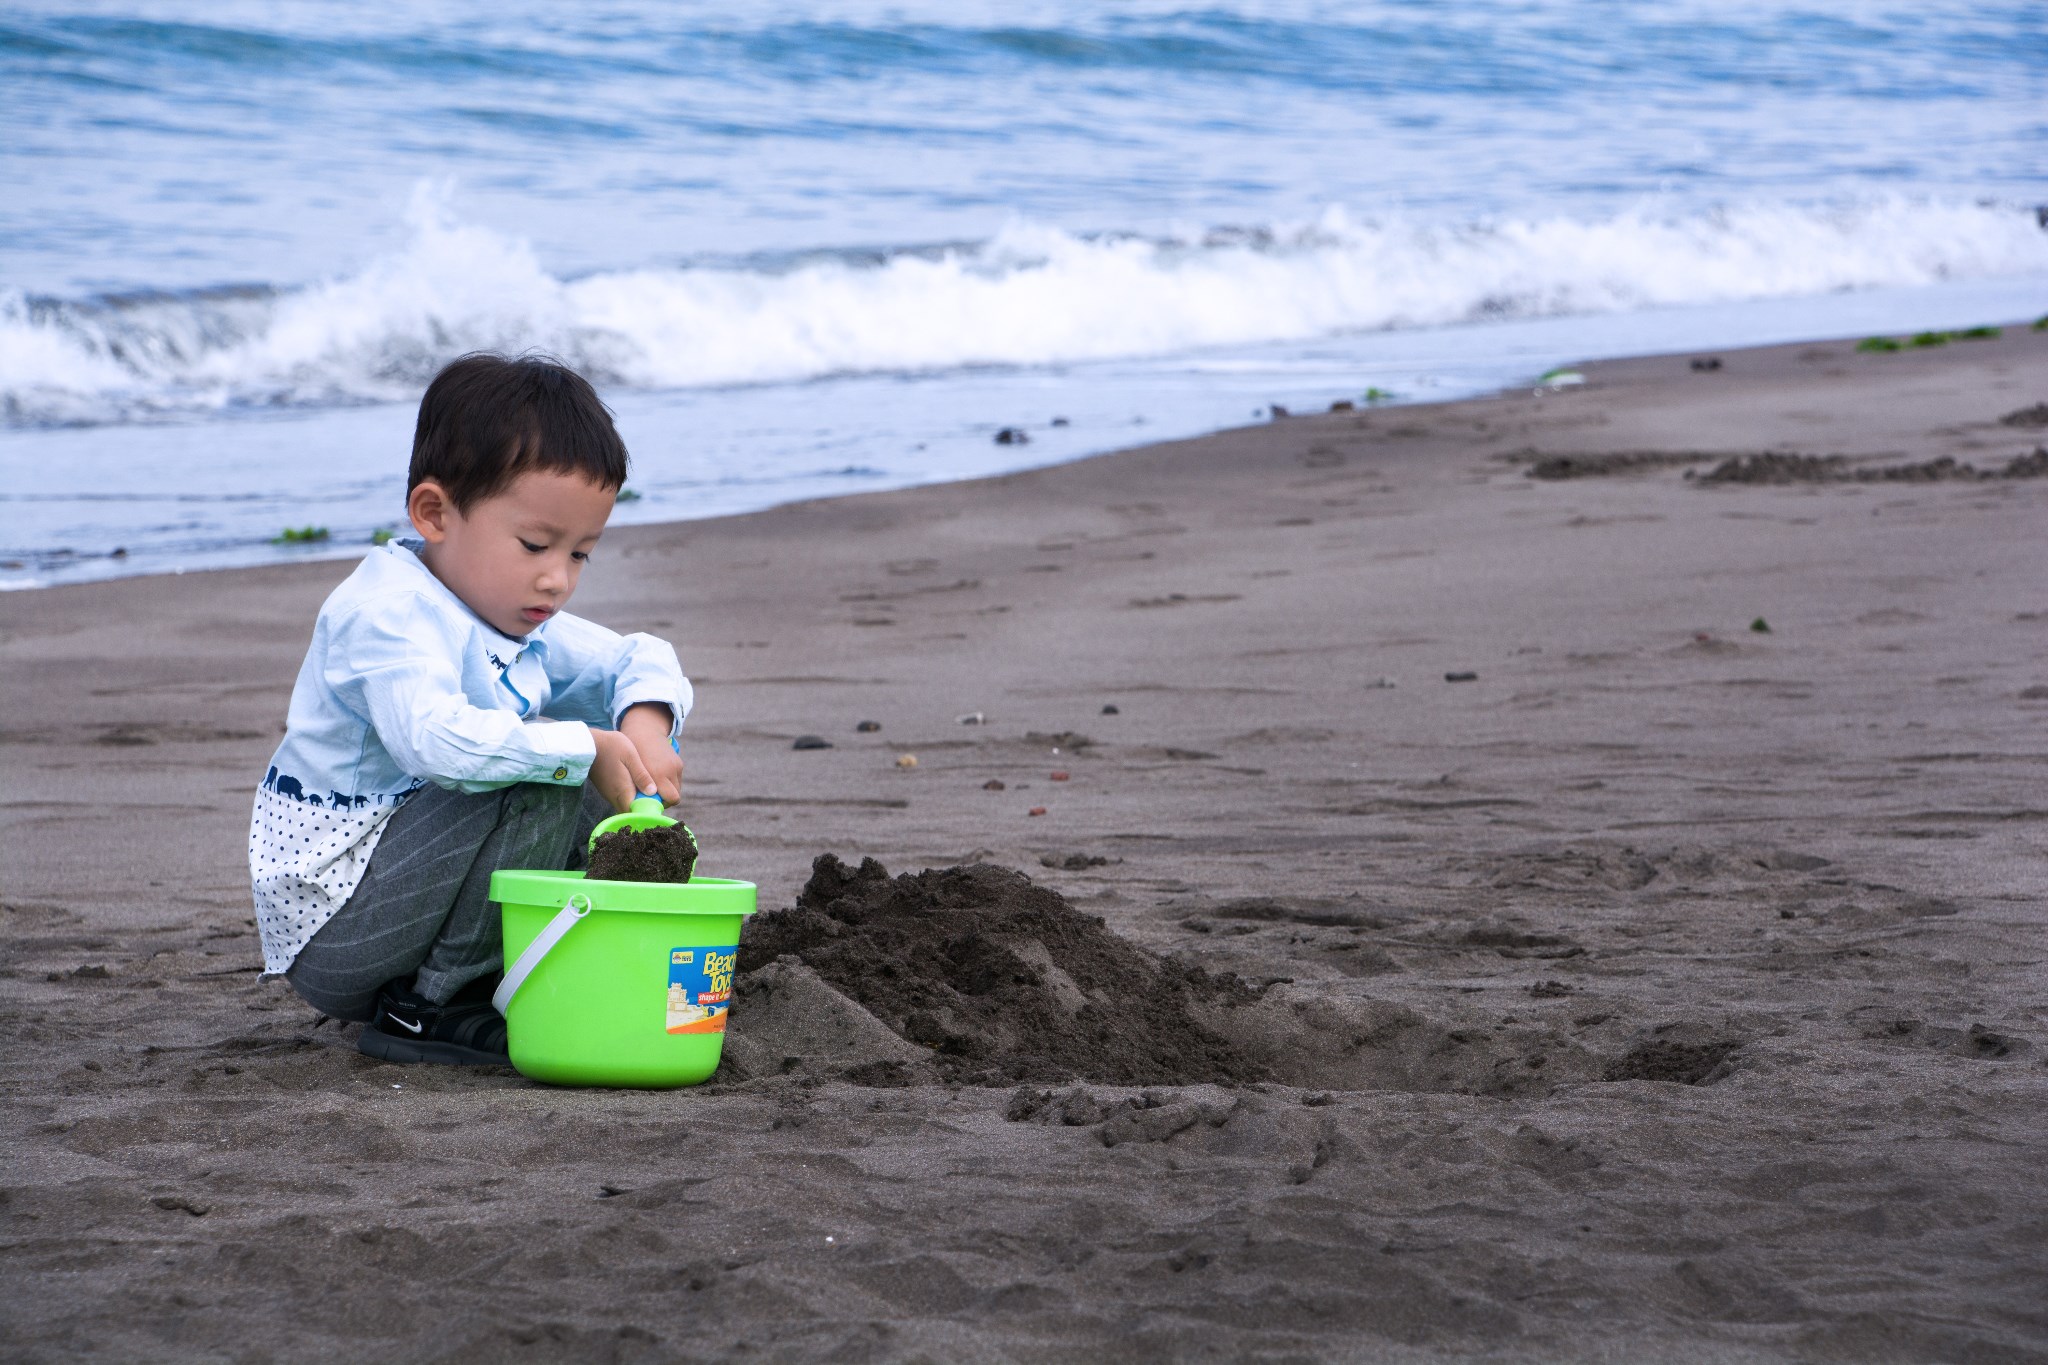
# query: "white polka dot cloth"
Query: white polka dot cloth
304,863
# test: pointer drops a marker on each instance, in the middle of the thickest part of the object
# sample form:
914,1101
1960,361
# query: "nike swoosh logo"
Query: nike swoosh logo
410,1028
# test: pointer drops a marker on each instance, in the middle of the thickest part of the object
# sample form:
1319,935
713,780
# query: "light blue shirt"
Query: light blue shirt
405,685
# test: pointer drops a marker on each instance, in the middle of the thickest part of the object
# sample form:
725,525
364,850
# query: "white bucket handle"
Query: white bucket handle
542,945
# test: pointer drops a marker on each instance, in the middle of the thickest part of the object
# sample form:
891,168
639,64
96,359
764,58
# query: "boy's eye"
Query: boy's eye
532,548
579,555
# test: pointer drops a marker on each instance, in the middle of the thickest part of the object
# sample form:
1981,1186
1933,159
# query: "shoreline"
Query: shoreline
1645,828
653,417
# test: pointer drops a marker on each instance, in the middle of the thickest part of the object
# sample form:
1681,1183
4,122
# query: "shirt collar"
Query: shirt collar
405,553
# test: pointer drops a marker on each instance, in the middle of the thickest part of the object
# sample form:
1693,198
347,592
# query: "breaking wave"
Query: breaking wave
1030,296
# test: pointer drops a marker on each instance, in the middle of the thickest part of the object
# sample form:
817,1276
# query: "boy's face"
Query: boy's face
513,558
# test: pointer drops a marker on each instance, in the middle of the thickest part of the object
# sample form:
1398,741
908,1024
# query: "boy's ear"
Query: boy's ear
429,508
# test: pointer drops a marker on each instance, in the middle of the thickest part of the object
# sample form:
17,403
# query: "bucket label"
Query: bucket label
699,988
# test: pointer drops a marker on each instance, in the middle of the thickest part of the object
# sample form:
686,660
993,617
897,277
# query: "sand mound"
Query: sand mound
997,980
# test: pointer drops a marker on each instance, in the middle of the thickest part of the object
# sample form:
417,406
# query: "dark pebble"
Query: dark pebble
1461,677
1111,710
811,742
868,727
1013,436
1712,362
1061,422
994,784
173,1203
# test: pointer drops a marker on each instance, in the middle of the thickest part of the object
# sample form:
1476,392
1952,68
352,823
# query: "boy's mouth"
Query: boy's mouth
536,615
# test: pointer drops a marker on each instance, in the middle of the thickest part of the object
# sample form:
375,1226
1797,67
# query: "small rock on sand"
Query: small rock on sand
1072,862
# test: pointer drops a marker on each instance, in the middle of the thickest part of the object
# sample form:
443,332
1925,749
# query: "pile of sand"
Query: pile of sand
977,975
990,978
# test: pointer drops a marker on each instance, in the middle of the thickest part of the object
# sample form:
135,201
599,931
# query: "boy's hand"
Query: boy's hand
647,726
617,772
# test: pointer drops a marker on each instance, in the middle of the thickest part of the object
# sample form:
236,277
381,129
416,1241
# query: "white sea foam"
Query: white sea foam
1032,295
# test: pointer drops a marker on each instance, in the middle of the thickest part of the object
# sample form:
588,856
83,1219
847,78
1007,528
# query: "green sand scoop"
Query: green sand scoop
645,814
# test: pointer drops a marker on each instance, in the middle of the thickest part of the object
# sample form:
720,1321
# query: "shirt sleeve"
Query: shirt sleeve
596,675
389,663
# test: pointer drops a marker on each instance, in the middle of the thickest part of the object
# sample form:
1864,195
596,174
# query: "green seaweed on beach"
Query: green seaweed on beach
2041,323
1980,333
380,537
1378,395
300,535
629,495
1878,344
1931,338
1559,377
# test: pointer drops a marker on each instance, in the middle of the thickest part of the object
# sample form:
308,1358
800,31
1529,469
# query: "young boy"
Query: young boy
450,719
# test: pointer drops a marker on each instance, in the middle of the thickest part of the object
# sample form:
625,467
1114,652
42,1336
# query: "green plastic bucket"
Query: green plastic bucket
618,983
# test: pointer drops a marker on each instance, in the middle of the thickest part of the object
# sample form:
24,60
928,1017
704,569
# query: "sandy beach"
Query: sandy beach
1671,987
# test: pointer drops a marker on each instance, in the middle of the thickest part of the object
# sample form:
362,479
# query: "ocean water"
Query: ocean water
808,249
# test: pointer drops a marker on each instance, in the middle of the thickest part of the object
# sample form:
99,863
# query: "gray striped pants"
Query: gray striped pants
423,907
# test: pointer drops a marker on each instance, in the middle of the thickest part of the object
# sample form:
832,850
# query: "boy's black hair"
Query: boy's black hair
486,419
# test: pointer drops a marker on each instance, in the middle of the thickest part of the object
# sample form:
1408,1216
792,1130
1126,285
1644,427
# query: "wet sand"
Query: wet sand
1670,990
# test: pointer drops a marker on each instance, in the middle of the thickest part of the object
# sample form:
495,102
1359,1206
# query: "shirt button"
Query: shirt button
561,773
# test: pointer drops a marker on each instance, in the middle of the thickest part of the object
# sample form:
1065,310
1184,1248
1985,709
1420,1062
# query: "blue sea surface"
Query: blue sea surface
813,248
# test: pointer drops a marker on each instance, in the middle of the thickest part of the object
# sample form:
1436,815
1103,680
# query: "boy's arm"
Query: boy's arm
383,663
598,675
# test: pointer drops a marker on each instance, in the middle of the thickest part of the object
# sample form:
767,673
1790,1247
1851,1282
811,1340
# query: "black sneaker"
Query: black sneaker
408,1027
